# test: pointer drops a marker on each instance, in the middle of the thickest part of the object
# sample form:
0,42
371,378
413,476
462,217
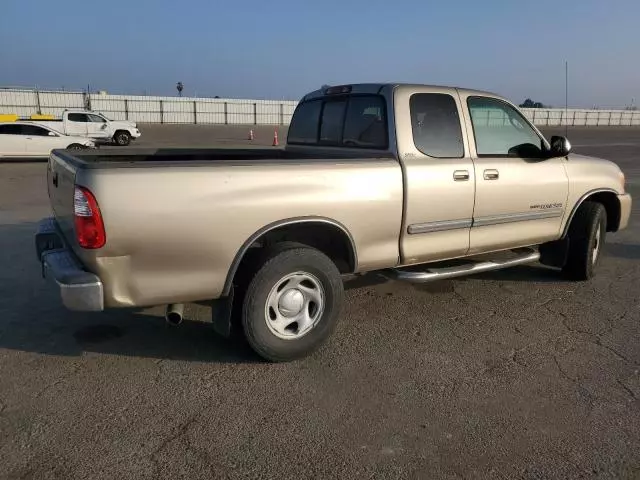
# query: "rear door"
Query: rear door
76,124
439,174
12,142
520,195
97,127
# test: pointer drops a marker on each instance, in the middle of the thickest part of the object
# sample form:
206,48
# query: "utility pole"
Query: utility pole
566,98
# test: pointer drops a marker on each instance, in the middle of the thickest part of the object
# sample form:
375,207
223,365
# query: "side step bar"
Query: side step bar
523,256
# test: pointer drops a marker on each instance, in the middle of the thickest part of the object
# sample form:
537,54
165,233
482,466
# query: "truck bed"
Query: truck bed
142,157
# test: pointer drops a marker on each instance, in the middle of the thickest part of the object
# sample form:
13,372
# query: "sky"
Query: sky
271,49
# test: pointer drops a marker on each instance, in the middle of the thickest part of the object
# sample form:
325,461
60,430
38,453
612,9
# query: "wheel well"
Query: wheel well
120,131
611,204
327,237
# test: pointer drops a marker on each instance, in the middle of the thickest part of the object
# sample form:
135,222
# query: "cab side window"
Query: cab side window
78,117
500,130
435,123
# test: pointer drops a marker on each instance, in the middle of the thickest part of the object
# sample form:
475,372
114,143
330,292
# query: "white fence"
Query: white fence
148,109
227,111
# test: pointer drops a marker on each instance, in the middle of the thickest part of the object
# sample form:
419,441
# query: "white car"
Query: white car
31,140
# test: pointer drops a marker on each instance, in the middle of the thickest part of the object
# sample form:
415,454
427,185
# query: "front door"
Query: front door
97,127
438,174
520,195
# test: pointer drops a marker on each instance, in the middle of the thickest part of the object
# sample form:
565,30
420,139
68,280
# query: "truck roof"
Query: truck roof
377,87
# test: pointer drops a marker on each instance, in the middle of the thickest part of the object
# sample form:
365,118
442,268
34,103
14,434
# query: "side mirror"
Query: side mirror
560,146
51,134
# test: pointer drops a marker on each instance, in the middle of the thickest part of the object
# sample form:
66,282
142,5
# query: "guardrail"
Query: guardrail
227,111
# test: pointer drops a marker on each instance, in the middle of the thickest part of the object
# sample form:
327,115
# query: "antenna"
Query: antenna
566,98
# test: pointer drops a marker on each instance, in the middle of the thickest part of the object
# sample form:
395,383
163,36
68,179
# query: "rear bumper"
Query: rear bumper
625,210
79,289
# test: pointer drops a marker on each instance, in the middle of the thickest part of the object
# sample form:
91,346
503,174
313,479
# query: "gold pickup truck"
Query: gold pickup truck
414,182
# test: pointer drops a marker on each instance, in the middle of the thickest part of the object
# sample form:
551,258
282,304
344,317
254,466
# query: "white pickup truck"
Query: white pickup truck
86,123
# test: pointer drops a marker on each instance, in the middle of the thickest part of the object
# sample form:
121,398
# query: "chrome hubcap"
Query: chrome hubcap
294,305
596,245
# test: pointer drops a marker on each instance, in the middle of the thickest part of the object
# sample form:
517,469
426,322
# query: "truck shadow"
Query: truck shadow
32,318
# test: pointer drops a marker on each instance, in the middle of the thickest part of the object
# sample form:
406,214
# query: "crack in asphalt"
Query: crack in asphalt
627,389
595,338
181,430
74,370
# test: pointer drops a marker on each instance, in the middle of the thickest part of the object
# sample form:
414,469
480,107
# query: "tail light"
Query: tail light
87,219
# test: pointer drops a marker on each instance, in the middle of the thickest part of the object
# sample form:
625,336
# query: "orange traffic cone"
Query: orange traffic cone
250,134
275,138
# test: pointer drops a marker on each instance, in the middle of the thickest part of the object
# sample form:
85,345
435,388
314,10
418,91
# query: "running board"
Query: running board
523,256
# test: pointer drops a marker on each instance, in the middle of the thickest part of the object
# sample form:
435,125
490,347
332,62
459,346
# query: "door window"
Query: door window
501,131
78,117
34,131
435,123
96,119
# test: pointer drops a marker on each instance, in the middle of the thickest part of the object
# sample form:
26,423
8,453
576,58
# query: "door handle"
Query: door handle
491,174
460,175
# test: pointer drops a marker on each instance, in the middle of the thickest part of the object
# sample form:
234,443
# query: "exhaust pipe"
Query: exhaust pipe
174,312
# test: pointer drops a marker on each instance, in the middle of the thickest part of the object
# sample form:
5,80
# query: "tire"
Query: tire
122,138
76,146
586,238
290,277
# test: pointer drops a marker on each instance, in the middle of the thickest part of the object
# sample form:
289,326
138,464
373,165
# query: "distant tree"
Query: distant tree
179,87
325,86
528,103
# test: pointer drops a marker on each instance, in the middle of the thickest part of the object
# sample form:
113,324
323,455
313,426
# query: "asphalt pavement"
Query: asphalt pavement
510,374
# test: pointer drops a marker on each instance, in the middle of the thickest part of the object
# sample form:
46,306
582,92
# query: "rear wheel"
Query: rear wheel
122,138
586,238
292,303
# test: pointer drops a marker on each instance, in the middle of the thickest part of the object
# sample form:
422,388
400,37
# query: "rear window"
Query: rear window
10,130
332,122
358,121
304,124
436,125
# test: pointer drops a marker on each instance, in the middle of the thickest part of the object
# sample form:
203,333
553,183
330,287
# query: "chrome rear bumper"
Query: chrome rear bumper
79,289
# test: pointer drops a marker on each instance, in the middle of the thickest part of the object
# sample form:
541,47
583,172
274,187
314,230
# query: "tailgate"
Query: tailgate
60,187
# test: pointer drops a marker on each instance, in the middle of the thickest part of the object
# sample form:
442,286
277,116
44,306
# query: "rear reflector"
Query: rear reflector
87,219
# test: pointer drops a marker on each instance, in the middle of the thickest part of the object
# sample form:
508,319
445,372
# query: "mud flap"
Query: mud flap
221,309
554,254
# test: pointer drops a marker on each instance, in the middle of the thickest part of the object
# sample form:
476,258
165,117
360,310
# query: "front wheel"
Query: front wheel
292,304
122,138
586,238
